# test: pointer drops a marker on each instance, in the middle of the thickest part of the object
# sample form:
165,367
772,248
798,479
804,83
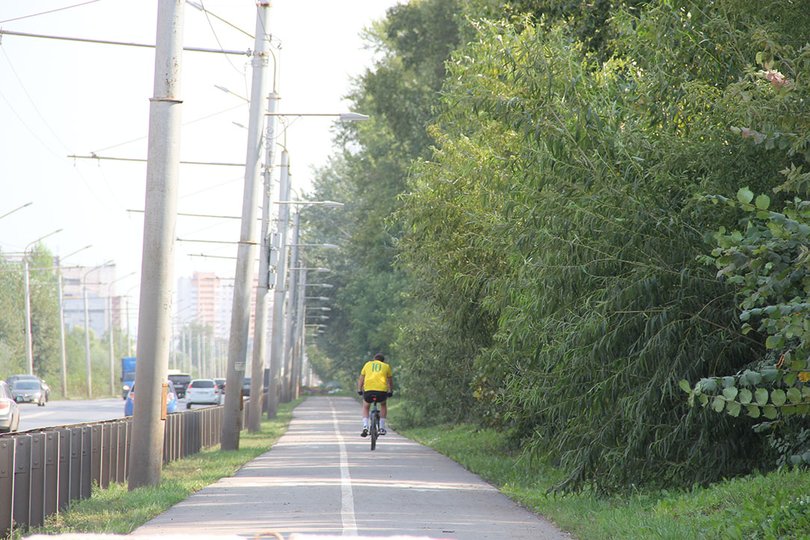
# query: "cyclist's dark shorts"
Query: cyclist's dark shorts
369,394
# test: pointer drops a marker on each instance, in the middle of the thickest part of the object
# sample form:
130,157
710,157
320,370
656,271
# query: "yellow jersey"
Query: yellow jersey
376,375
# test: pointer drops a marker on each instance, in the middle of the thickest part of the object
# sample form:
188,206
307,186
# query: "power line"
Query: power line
93,155
208,16
122,43
49,11
200,119
30,99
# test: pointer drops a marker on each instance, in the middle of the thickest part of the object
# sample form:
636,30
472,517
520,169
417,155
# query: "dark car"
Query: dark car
45,388
220,384
28,391
246,387
180,381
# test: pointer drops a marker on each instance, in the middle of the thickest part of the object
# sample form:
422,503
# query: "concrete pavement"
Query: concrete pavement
321,479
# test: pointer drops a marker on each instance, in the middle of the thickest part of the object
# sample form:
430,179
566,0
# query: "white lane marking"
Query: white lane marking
346,495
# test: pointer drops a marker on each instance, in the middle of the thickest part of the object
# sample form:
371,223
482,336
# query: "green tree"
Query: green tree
400,94
559,204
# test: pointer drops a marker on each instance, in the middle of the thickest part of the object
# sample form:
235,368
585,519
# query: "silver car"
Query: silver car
202,392
28,391
9,412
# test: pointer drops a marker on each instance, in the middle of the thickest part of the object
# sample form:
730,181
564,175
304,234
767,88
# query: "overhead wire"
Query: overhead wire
49,11
34,134
31,100
208,16
199,119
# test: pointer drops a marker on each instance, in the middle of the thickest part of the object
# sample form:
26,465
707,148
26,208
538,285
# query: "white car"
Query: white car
202,392
9,412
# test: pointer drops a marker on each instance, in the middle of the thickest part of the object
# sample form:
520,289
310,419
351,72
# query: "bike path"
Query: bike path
321,478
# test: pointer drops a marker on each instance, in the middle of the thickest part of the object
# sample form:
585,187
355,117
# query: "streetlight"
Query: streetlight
110,329
293,351
87,361
343,117
279,292
29,340
239,315
283,347
60,294
18,208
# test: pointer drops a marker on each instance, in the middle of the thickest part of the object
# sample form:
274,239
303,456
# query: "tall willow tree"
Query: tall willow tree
400,95
559,205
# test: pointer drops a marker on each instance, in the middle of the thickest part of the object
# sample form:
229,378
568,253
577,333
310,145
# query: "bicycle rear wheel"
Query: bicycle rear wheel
375,429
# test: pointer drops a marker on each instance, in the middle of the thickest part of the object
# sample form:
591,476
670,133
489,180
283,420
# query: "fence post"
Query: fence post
6,485
36,514
65,469
51,502
22,480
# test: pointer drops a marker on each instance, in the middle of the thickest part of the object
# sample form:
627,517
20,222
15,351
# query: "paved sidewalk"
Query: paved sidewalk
321,479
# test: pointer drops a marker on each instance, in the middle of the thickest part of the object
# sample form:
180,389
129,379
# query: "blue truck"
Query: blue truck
127,373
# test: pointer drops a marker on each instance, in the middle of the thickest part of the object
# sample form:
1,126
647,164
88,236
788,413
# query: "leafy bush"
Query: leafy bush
768,259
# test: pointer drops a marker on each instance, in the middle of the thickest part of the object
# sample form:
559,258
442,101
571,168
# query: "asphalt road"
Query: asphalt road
65,412
322,479
68,412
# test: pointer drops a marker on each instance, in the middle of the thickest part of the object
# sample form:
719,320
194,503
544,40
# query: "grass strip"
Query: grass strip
116,510
771,506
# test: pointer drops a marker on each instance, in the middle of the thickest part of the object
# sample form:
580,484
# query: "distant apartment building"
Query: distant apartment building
207,299
90,292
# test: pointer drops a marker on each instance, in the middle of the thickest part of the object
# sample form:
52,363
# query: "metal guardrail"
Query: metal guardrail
42,471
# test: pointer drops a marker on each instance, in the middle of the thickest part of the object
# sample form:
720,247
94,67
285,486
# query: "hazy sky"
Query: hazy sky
60,98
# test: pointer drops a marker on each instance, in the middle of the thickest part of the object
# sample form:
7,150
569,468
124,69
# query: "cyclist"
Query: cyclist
376,380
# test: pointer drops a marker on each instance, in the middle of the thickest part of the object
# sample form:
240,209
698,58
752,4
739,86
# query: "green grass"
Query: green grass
117,510
772,506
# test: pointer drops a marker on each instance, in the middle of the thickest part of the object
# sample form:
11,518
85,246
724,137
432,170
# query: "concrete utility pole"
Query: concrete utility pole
243,280
299,334
277,328
260,319
157,263
289,345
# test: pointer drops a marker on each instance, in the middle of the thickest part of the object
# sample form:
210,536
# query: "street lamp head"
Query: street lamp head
312,269
327,246
38,240
353,117
343,117
327,204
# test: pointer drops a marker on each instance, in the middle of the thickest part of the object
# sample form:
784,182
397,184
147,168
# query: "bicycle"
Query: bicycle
374,422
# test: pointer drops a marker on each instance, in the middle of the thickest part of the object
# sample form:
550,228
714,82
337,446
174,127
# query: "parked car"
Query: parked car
171,400
27,377
28,391
9,411
202,392
246,387
180,381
